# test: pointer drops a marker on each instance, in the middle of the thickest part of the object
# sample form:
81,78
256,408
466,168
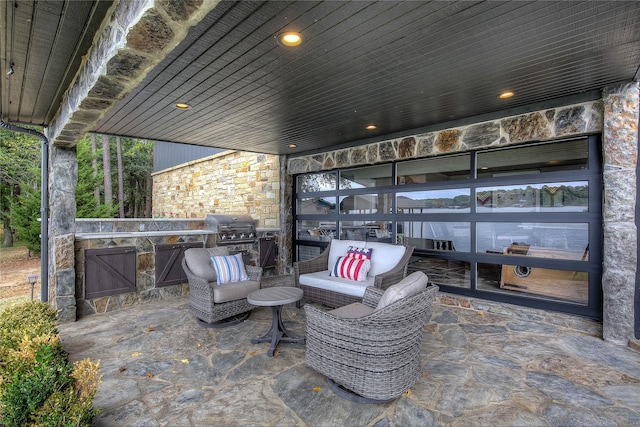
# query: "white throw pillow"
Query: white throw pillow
410,285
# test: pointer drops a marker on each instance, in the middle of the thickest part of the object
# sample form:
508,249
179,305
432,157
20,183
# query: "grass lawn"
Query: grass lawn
15,265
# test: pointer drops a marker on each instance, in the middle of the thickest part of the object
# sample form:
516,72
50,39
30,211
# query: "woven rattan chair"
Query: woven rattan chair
204,292
374,358
337,299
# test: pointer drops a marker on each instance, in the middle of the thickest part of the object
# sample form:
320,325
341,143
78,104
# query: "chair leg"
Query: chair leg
229,321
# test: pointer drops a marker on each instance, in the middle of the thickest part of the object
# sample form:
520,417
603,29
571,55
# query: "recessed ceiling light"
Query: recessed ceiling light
182,106
371,127
290,38
505,95
292,145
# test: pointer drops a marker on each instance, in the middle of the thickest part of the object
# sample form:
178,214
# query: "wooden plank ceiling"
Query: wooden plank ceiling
399,65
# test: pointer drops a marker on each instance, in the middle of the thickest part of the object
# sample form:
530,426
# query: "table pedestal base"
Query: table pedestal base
277,333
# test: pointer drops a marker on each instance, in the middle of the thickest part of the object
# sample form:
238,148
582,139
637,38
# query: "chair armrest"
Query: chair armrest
254,272
397,273
372,296
196,283
318,263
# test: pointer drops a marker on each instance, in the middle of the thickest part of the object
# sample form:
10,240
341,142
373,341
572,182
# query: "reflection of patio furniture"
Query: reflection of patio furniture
275,298
212,304
388,266
564,284
371,348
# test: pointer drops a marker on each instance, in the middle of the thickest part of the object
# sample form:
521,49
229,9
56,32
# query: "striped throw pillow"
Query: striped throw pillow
229,268
360,253
351,268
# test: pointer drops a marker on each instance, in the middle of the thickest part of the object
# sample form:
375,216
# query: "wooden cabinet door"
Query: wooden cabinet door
110,271
169,263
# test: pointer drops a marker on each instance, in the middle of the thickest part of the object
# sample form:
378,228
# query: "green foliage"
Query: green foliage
28,383
19,168
72,405
86,204
25,215
30,319
137,164
38,385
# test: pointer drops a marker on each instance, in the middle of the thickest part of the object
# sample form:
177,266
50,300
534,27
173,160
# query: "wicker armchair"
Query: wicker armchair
336,299
373,358
216,305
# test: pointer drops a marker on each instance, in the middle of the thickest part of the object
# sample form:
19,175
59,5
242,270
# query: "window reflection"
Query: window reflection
316,230
316,205
372,176
547,197
535,159
540,240
443,271
433,170
365,204
372,231
316,182
562,285
434,201
439,236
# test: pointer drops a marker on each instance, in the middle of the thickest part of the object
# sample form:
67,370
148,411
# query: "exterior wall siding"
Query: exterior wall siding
232,182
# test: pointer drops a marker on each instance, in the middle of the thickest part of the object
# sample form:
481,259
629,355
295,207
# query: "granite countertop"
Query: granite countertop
125,234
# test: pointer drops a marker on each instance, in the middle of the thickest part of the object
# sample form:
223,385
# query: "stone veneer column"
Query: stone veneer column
63,176
620,150
286,218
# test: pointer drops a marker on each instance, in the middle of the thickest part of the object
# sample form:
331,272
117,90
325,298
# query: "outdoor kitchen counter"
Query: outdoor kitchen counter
128,234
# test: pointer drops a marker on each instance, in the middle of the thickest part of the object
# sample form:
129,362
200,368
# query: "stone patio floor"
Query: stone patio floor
160,368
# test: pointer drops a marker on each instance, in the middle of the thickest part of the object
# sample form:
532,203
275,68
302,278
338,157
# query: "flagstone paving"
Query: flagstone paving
479,368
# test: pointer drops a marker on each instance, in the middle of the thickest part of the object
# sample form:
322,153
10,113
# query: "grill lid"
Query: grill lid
225,223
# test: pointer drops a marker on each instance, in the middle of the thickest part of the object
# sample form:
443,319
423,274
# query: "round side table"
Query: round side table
276,298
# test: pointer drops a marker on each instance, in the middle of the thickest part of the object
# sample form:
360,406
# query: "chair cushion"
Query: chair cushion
351,268
322,280
384,257
229,268
352,311
199,262
233,291
410,285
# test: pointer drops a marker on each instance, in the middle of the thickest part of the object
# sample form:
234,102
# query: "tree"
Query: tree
120,185
25,212
87,205
94,165
19,170
106,167
138,164
135,164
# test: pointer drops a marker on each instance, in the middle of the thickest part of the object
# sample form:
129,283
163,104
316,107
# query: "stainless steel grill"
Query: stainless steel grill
232,229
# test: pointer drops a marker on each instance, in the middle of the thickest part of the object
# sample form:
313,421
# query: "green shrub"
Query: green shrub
38,385
30,319
72,405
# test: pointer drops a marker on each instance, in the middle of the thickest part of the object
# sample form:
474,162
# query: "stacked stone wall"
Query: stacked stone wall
553,123
232,182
